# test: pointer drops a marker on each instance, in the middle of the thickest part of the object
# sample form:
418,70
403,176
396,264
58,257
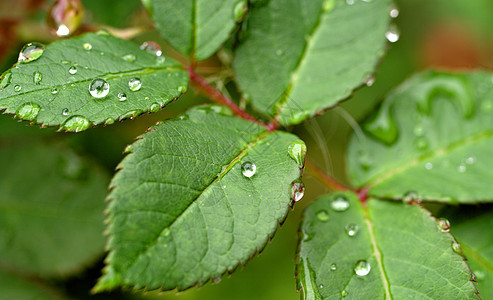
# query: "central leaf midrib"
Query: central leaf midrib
218,177
108,76
428,156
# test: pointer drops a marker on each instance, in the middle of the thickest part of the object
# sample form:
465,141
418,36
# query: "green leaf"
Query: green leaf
300,57
112,13
196,28
51,209
431,140
54,88
183,213
472,227
394,251
15,287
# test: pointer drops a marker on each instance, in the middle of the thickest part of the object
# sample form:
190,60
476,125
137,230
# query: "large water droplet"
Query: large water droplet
333,267
37,77
151,47
72,70
457,248
297,151
31,52
65,112
122,96
87,46
248,169
351,229
443,224
129,57
340,203
428,166
393,12
5,80
240,10
28,111
109,121
17,88
344,293
362,268
297,190
99,88
134,84
76,124
323,215
155,107
393,34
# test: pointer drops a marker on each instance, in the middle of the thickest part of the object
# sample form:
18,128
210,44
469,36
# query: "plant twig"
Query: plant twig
325,178
203,86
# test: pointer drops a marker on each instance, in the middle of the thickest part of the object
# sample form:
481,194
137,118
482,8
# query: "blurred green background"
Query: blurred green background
439,34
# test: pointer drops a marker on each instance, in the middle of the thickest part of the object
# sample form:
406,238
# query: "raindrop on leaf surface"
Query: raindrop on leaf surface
323,215
362,268
122,96
17,88
393,33
76,124
28,111
351,229
340,203
31,52
5,80
99,88
443,225
87,46
72,70
37,77
297,190
333,267
129,58
151,47
248,169
134,84
297,151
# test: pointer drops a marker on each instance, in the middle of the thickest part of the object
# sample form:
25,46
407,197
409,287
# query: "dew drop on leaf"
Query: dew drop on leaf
339,203
248,169
28,111
103,32
65,112
393,12
323,215
297,190
421,143
443,225
155,107
72,70
240,10
129,57
480,275
109,121
333,267
457,248
362,268
122,96
344,293
87,46
297,151
370,80
151,47
428,166
99,88
411,196
31,52
134,84
54,91
5,80
17,88
351,229
76,124
128,149
393,33
321,286
182,89
37,77
462,168
131,114
470,160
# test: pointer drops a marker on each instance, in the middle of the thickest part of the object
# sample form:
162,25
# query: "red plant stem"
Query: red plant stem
208,90
363,194
325,178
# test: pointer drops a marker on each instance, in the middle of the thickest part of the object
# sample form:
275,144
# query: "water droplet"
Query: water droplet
160,60
333,267
151,47
297,151
443,225
131,114
393,33
457,248
362,268
28,111
63,30
462,168
129,148
240,10
328,5
65,17
122,96
54,91
72,70
323,215
321,286
76,124
393,12
155,107
5,80
134,84
37,77
182,89
480,275
129,57
248,169
99,88
17,88
31,52
340,203
183,117
470,160
350,2
297,190
279,52
428,166
344,293
370,80
421,143
411,196
109,121
351,229
87,46
103,32
65,112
